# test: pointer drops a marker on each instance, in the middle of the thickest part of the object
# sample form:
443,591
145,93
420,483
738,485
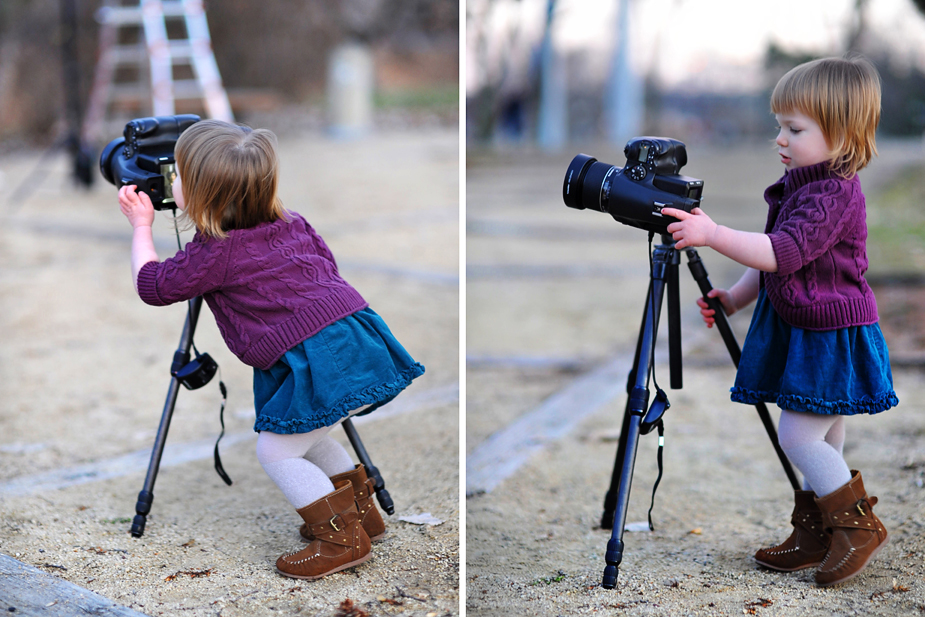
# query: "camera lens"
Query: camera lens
574,181
106,158
597,182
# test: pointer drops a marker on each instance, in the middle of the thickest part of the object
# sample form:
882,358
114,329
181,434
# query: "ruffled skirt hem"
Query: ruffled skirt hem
795,402
375,396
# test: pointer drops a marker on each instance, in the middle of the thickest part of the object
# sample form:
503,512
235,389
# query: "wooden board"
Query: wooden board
27,591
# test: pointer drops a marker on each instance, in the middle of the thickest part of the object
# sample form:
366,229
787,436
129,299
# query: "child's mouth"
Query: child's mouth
784,159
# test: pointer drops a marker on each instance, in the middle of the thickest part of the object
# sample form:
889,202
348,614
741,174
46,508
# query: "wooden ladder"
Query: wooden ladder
156,60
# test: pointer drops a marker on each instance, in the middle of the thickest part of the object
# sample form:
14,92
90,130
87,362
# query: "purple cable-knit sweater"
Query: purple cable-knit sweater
817,223
270,287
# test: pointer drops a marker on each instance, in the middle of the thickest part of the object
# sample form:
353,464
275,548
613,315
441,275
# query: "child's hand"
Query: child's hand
693,228
136,207
725,299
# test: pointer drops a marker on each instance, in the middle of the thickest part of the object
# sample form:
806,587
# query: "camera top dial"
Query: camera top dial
638,172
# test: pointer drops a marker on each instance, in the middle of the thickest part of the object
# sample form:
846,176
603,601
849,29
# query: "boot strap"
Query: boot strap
365,492
814,525
859,516
332,530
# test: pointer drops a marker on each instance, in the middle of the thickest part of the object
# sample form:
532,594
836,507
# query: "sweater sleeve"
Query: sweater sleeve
198,269
822,216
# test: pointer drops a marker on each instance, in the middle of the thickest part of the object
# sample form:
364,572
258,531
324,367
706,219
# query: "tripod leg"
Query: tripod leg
610,499
181,358
732,345
629,438
382,495
614,555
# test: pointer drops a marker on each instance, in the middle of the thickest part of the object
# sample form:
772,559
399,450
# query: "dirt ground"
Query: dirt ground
554,294
84,374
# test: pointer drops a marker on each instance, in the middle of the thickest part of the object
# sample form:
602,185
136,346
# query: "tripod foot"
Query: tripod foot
138,525
613,557
385,500
382,495
610,577
142,508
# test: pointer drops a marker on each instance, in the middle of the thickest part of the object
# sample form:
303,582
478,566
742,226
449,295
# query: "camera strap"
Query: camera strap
219,469
660,426
656,421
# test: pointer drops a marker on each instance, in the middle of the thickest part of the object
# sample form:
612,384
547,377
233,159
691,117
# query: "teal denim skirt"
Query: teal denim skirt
353,362
844,371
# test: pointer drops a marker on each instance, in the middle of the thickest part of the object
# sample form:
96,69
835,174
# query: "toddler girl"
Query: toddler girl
814,347
319,353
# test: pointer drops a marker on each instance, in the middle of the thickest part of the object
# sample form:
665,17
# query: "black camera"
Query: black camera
143,156
636,193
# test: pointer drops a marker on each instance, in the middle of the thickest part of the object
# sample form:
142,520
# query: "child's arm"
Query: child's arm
737,297
139,211
695,228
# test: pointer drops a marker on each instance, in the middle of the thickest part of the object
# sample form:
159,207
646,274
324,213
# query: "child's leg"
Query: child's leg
281,456
813,443
330,456
836,435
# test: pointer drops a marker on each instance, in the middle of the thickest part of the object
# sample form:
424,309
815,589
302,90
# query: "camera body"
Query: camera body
143,156
636,193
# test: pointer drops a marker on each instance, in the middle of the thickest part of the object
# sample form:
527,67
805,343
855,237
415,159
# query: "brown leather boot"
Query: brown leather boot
807,545
372,521
339,541
857,533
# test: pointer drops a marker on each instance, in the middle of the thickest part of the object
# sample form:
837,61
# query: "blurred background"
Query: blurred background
559,71
273,57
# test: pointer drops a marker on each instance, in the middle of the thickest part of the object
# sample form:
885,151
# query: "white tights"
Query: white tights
814,443
301,463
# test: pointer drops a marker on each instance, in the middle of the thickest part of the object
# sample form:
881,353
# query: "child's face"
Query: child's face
178,193
800,142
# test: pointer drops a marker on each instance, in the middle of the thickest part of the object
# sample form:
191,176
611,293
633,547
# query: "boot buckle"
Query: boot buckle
858,505
333,524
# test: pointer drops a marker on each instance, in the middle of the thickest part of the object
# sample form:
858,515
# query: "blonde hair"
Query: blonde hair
842,95
229,177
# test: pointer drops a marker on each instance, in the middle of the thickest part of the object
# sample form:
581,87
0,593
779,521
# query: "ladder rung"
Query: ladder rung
186,89
132,15
124,54
180,49
128,92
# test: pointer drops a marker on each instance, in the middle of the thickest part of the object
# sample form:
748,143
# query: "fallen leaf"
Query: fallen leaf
348,609
421,519
698,531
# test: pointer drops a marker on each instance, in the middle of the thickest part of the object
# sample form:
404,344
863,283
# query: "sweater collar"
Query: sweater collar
794,179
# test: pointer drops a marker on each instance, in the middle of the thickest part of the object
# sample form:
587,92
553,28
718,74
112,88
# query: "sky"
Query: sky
699,43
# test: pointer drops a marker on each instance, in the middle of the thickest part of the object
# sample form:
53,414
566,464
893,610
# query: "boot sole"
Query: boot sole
779,569
859,570
362,559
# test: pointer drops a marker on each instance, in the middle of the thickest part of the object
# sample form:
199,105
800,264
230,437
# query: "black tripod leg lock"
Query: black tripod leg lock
639,401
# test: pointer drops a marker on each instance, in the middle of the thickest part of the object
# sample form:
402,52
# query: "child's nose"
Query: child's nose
781,141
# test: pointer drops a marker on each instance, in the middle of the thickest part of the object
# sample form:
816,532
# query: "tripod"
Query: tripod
193,374
640,419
